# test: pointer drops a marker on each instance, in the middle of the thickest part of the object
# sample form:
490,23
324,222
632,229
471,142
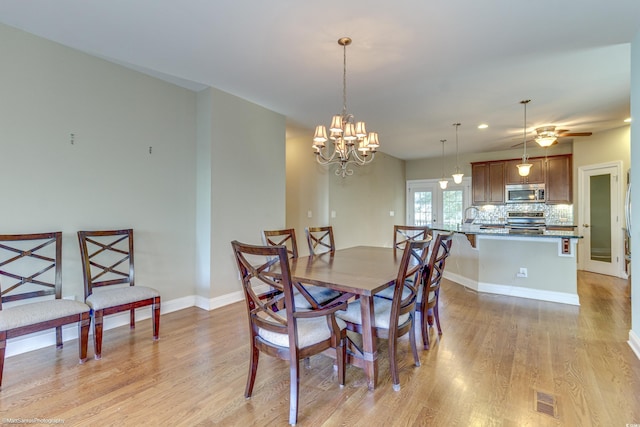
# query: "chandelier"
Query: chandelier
524,167
351,143
457,177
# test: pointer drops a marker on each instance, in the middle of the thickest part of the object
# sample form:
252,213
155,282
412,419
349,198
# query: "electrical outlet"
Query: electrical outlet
522,273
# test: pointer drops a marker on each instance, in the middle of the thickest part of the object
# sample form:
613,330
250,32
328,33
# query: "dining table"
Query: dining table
361,271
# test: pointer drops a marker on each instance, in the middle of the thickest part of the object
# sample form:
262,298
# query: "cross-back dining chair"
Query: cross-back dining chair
395,318
109,280
286,237
314,296
429,298
281,330
405,233
320,239
31,267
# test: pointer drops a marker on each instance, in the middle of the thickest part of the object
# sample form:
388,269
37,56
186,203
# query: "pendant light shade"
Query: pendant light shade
457,176
525,167
443,182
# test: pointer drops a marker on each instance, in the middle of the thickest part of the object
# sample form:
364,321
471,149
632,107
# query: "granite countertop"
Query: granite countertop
501,230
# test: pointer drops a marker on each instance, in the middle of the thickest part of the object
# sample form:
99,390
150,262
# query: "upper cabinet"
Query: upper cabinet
559,180
536,174
488,179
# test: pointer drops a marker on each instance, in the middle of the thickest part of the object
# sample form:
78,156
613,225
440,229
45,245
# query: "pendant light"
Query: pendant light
457,177
524,167
443,182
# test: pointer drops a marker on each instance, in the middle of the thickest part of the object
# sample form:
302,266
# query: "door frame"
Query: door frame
411,184
617,241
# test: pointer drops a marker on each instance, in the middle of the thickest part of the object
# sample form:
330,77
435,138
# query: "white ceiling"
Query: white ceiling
414,67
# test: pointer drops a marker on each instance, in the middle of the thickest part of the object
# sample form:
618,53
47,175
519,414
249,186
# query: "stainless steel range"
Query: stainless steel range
526,222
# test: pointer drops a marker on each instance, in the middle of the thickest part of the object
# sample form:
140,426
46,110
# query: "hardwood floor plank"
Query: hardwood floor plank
496,351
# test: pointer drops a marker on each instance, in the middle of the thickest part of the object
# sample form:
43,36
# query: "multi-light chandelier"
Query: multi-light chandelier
525,166
351,143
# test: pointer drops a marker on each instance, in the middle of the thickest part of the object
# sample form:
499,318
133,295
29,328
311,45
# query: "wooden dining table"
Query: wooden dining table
362,271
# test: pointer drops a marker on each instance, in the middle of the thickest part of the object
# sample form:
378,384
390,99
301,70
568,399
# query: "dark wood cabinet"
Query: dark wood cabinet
487,180
536,174
559,183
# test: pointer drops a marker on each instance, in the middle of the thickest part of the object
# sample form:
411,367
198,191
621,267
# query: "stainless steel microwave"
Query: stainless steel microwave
525,193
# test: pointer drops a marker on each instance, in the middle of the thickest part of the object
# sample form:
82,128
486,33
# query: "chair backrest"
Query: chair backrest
267,265
413,263
286,237
435,268
30,266
320,239
406,233
107,258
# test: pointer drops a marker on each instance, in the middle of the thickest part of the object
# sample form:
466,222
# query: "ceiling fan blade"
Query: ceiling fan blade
575,134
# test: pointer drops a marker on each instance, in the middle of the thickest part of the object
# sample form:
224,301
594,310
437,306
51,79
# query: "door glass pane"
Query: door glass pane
600,213
423,207
452,207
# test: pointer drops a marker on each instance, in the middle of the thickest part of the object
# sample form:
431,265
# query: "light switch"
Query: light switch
392,213
309,214
333,214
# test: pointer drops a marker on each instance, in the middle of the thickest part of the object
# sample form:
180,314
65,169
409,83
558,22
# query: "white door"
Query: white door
428,204
600,219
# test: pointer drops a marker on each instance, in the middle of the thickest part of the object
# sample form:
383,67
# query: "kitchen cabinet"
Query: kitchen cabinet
487,180
559,181
536,174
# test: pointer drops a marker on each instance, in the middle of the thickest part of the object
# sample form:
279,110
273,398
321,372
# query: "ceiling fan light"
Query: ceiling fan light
545,141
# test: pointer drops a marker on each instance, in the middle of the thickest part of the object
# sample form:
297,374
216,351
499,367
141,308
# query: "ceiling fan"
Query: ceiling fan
548,135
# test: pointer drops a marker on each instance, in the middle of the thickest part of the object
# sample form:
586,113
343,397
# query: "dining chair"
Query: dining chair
109,280
315,296
31,267
429,298
283,330
286,237
405,233
320,240
395,318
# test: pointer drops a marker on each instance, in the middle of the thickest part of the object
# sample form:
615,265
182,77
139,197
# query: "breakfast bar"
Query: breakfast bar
499,260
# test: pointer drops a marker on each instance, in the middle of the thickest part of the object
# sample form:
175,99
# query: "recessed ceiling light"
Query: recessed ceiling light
483,126
628,120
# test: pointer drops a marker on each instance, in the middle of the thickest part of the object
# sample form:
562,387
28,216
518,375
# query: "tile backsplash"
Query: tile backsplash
560,214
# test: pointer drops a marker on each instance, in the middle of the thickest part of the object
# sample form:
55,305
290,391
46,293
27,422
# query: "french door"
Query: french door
428,204
601,222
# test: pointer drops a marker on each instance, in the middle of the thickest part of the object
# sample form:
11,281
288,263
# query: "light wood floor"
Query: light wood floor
496,352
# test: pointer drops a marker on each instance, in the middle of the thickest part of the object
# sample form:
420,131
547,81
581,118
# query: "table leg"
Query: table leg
369,342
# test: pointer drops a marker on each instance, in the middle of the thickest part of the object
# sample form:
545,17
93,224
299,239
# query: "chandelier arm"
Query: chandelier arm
327,160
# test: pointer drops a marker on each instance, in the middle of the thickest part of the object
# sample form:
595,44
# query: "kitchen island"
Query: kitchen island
494,260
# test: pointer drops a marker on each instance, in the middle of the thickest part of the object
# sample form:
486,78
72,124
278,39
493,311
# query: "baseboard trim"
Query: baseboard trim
634,343
515,291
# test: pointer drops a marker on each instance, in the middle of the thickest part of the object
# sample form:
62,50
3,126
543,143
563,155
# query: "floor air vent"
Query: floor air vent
545,403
